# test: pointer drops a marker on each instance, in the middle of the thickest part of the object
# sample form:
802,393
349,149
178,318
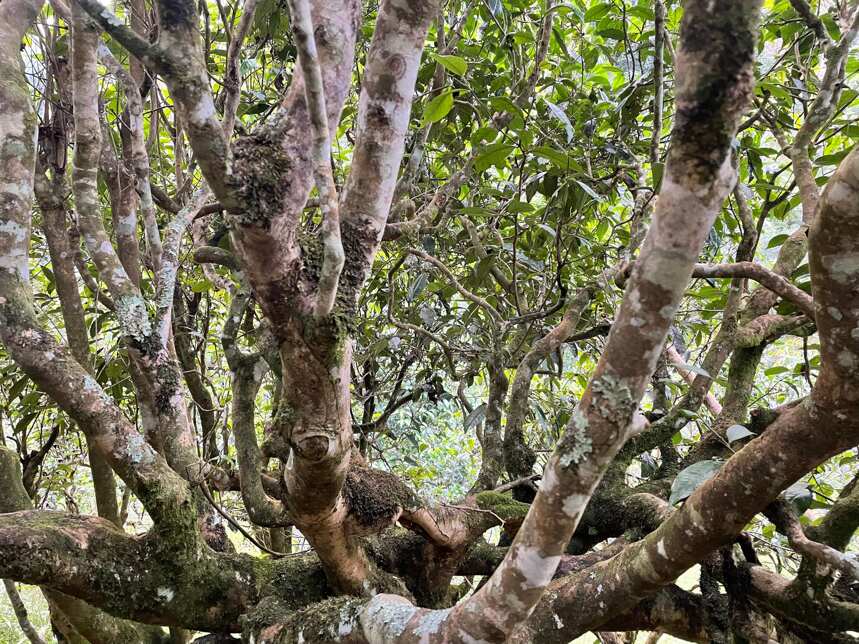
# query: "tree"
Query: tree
533,249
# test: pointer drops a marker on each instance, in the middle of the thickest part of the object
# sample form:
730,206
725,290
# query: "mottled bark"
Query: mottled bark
492,436
314,417
35,351
78,618
787,522
773,281
55,226
791,445
712,93
821,109
266,234
314,91
146,339
518,457
138,154
247,372
383,117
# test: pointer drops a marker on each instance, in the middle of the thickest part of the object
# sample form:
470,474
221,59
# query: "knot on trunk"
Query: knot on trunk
313,446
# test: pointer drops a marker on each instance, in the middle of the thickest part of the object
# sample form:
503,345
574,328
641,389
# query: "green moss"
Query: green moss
506,507
13,497
312,254
168,385
357,239
375,497
259,167
176,13
329,335
294,581
519,458
285,416
325,621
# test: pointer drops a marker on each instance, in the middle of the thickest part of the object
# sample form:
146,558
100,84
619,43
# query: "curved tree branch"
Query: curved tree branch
773,281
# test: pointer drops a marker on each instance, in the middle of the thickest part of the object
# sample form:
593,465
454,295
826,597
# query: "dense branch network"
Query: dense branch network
295,241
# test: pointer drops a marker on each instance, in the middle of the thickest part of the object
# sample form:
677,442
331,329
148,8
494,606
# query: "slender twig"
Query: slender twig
814,23
233,74
459,287
769,279
21,613
658,79
406,326
520,481
208,496
786,521
139,155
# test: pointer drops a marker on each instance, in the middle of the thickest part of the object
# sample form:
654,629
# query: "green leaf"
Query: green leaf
612,33
692,478
495,7
475,417
519,206
777,240
378,346
645,13
504,104
548,230
494,154
439,107
737,432
201,285
597,12
601,232
540,415
417,287
831,159
484,135
25,422
454,64
799,496
590,191
17,388
256,108
559,114
558,158
483,267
